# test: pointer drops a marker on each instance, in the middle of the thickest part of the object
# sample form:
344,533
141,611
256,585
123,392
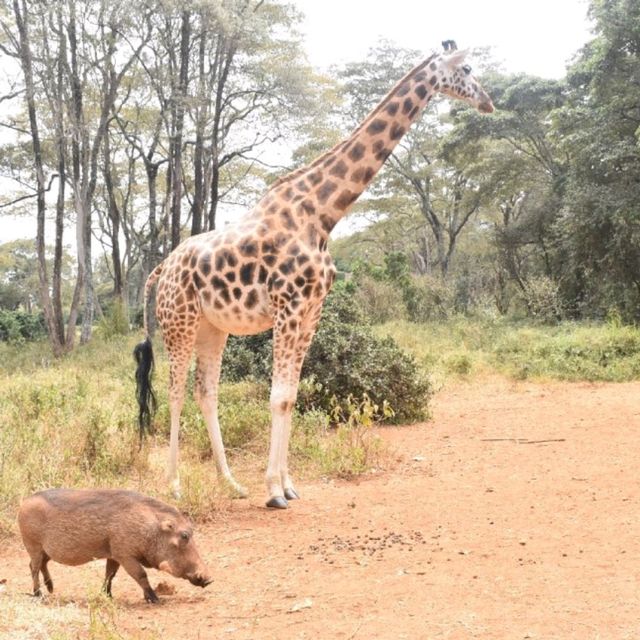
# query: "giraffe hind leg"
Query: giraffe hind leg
210,345
179,360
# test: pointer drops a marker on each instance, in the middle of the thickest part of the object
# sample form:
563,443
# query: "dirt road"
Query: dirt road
514,513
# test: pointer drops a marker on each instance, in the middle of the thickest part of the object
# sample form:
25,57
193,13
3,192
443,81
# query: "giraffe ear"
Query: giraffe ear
456,58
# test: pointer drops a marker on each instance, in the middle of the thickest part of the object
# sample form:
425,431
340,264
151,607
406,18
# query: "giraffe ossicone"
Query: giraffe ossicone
271,269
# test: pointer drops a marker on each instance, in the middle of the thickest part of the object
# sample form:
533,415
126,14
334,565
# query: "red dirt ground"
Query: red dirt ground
514,513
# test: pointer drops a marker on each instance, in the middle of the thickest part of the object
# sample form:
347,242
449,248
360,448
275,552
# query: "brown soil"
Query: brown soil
512,514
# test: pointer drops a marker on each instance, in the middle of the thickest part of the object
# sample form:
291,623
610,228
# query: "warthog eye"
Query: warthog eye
184,535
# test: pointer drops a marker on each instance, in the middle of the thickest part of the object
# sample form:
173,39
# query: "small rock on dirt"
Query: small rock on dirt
307,603
165,589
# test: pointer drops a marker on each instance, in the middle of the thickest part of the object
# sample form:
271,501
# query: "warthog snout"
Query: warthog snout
200,580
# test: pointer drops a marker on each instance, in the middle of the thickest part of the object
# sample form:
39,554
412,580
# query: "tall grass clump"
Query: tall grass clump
66,423
344,443
605,352
566,351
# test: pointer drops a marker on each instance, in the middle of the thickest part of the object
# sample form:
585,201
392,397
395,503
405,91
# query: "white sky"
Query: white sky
534,36
538,37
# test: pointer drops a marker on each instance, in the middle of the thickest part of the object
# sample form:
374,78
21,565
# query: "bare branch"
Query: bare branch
30,195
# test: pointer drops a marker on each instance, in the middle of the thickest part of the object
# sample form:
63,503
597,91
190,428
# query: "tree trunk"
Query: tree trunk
197,209
115,218
22,22
178,127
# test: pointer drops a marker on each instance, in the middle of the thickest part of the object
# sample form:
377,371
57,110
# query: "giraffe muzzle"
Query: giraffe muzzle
486,107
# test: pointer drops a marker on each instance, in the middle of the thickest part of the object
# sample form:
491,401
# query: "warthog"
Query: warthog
75,526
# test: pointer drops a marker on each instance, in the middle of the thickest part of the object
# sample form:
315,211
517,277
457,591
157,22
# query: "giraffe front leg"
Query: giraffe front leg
291,342
282,400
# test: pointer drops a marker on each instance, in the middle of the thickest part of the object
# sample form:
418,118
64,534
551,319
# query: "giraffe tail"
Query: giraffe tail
143,354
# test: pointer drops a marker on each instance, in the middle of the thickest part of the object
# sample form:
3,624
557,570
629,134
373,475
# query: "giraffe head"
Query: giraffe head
456,80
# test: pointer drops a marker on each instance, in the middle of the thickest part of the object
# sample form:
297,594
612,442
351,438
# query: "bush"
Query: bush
248,357
380,300
543,300
18,326
115,321
345,359
429,298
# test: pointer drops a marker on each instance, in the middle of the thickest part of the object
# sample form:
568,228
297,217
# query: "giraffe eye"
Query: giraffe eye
466,69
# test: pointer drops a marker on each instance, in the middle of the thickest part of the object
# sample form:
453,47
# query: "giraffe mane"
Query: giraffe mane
296,173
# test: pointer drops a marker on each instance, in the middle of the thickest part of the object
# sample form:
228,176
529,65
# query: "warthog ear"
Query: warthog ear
167,526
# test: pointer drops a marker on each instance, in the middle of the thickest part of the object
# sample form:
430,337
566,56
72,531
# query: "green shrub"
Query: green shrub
115,321
380,300
345,358
429,298
543,300
18,326
248,357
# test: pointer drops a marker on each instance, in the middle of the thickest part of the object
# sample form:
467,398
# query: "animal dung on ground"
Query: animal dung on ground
73,527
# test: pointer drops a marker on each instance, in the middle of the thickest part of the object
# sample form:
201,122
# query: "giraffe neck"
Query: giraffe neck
328,187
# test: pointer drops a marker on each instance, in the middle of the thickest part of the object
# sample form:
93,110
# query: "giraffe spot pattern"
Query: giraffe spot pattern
392,108
357,152
407,105
345,199
246,273
325,191
339,170
377,126
397,131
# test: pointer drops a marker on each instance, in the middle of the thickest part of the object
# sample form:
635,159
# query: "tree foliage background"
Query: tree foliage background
130,125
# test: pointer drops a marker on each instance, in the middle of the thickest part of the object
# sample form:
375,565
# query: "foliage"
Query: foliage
352,447
345,359
18,326
542,297
601,225
564,351
115,321
248,357
379,299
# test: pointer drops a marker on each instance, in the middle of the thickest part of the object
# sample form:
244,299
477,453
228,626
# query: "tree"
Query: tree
600,127
517,162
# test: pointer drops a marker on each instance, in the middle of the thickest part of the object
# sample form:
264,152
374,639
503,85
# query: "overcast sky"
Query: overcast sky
535,36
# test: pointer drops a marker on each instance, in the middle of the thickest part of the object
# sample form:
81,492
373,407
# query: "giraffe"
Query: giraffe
271,269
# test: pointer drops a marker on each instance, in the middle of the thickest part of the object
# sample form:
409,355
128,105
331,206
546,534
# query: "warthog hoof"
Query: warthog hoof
277,502
150,596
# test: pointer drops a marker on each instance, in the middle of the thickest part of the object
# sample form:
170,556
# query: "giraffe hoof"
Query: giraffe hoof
277,502
234,490
291,494
239,493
